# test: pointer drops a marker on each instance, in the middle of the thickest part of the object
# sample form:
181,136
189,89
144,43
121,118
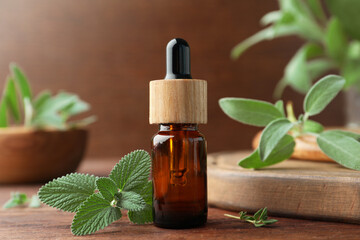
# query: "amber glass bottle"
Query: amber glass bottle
178,104
179,175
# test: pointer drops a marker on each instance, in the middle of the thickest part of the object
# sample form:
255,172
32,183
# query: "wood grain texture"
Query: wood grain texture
178,101
293,188
27,155
48,223
108,51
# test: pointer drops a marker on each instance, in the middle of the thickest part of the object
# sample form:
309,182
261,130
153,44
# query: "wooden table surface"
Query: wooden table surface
48,223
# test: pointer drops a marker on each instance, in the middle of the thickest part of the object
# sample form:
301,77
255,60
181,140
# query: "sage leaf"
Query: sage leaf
347,11
282,151
296,72
21,80
11,99
248,111
311,126
341,147
335,40
272,135
322,93
280,106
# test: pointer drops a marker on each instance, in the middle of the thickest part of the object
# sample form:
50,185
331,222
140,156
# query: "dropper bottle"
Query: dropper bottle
178,104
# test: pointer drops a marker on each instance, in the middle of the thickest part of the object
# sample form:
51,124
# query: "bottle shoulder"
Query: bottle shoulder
162,136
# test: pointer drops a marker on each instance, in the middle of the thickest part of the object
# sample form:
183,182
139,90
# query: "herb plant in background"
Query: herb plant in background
97,201
20,107
331,43
277,139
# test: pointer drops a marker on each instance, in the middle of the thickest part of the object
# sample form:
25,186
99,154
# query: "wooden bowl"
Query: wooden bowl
28,155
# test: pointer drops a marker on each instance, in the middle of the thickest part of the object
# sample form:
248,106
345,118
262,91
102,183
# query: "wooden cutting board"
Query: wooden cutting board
293,188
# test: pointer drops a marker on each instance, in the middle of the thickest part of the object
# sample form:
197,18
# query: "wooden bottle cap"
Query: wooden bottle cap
178,101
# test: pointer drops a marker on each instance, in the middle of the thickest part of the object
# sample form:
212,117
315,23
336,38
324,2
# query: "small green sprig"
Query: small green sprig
277,140
18,199
19,106
97,201
259,219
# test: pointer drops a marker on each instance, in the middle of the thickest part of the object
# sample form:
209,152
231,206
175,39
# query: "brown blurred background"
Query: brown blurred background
107,51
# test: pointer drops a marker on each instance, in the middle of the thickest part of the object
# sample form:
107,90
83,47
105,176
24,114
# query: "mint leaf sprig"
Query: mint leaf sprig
97,201
277,140
259,219
19,199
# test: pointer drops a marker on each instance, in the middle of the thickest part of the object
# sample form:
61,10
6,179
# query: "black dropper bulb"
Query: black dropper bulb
178,59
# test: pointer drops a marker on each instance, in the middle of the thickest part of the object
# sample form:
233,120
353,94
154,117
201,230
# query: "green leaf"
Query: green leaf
269,221
248,111
132,171
342,148
94,214
258,214
272,135
317,9
3,114
318,67
82,123
17,199
77,107
280,106
271,17
41,98
11,98
130,201
282,151
35,201
296,72
347,11
142,217
57,103
353,135
68,192
28,112
107,188
322,93
145,215
311,126
336,41
21,80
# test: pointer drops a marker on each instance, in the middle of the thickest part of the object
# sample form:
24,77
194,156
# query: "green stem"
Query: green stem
231,216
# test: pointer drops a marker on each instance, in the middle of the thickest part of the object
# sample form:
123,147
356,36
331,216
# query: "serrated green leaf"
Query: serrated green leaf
311,126
272,135
282,151
142,217
35,201
280,106
132,171
130,201
249,111
336,41
341,147
94,214
107,188
21,81
11,98
322,93
68,192
41,98
17,199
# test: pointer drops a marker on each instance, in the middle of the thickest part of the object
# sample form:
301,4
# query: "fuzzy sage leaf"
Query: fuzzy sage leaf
322,93
272,135
248,111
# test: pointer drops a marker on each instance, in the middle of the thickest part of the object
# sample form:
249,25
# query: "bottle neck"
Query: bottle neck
178,127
